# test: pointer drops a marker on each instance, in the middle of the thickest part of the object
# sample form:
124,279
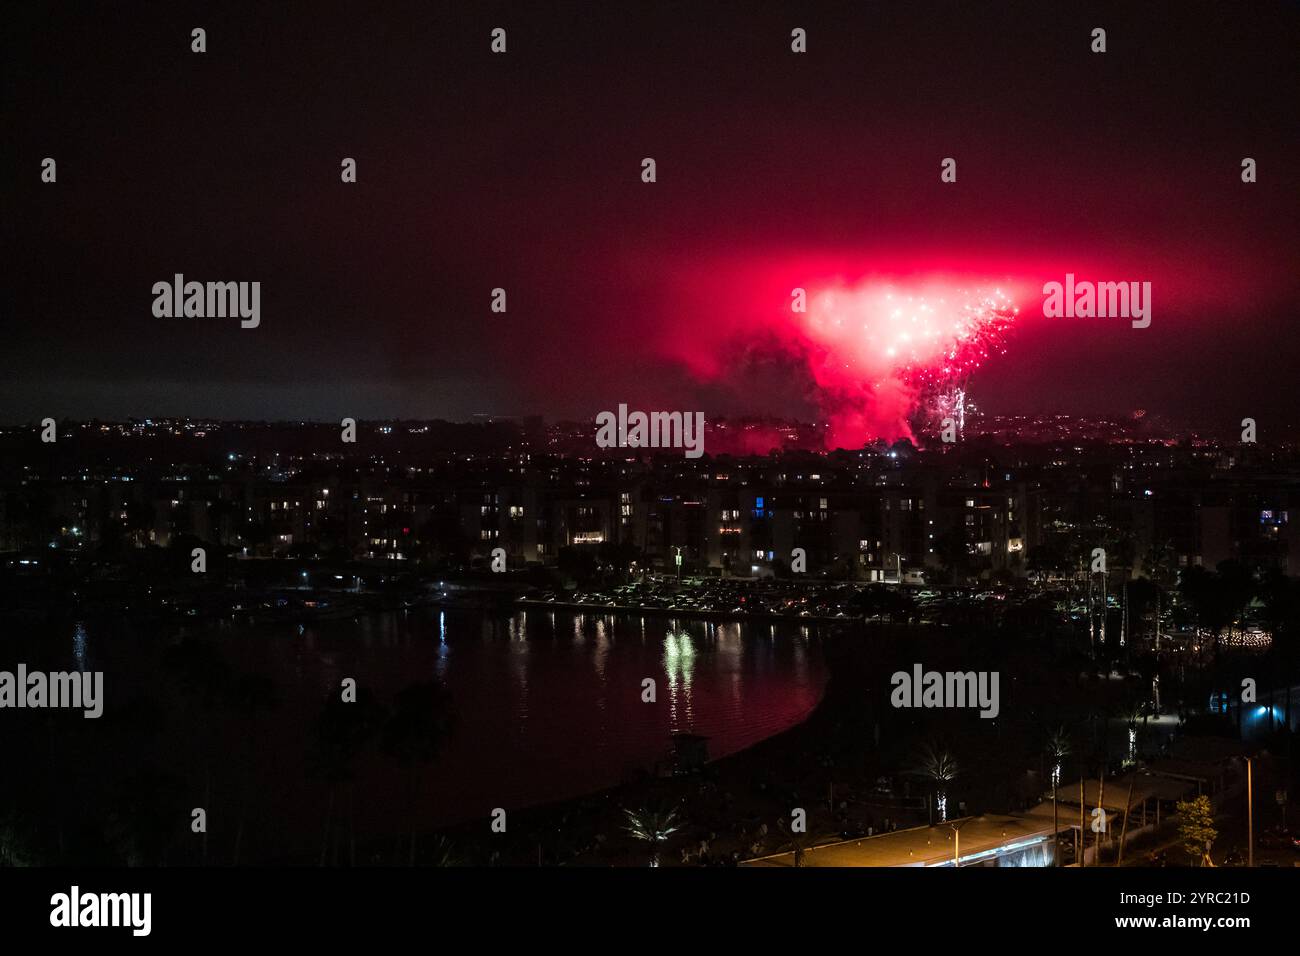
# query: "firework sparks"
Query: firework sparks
878,351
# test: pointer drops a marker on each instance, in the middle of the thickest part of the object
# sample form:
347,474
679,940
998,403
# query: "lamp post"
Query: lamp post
1250,816
1056,828
956,843
679,563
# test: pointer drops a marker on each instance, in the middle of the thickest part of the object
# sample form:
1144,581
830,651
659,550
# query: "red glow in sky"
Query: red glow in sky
874,346
870,346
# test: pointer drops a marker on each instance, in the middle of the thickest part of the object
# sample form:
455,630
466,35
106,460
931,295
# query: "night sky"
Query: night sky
523,171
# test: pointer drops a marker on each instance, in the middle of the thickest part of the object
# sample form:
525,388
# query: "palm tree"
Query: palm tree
341,732
1281,599
444,853
1201,590
1238,587
953,552
1160,565
939,767
654,826
253,695
414,735
798,841
1058,748
1134,711
203,678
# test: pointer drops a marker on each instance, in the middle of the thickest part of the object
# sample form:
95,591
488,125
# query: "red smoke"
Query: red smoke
871,346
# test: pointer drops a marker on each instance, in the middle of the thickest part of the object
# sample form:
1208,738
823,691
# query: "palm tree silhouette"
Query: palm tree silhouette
1134,712
443,853
938,765
798,841
253,695
342,731
414,736
1280,596
653,826
1058,748
204,679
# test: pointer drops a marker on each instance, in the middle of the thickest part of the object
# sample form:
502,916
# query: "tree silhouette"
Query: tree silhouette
654,826
204,679
253,695
414,735
1058,748
1281,599
937,765
341,732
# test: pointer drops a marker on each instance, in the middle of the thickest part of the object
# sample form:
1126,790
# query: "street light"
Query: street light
956,846
1250,817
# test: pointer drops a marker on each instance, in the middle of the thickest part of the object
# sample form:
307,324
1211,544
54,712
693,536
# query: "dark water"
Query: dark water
547,705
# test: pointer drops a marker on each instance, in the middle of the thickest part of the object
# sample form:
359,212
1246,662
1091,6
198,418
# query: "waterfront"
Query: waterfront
544,706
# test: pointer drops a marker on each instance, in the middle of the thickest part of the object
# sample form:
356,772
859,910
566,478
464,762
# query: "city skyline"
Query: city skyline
625,438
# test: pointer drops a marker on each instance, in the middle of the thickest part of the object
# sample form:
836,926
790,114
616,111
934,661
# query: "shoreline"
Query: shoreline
688,614
725,809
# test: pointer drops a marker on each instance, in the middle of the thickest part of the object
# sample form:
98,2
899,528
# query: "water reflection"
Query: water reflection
79,645
547,704
679,664
603,634
444,651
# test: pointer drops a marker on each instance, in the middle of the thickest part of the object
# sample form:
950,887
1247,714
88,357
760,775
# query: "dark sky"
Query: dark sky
523,171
